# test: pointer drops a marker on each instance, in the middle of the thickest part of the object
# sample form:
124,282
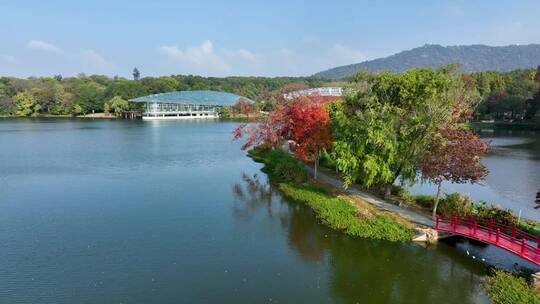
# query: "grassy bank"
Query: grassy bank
336,210
505,288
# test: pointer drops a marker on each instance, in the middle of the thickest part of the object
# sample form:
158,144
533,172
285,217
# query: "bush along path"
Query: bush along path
410,214
335,209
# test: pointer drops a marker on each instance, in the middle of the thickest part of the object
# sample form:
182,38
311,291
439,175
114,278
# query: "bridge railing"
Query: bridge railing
527,244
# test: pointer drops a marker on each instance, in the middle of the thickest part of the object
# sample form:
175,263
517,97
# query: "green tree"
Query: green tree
26,104
77,110
118,105
136,74
383,125
49,95
5,104
88,94
126,89
160,85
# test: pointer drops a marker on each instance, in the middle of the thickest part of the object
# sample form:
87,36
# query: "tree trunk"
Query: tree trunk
388,190
316,164
436,203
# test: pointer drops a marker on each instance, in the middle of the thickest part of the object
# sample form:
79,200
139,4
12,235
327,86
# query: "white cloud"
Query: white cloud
95,60
345,55
45,46
208,60
198,57
247,55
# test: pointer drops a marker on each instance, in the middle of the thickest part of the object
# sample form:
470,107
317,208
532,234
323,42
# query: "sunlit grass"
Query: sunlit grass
336,212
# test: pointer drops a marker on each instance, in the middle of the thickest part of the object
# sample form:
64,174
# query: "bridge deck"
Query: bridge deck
511,239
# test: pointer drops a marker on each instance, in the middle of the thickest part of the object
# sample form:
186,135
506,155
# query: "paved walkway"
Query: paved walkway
407,213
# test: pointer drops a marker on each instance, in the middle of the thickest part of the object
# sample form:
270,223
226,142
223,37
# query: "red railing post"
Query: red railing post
538,242
513,233
490,226
522,247
454,224
497,236
437,219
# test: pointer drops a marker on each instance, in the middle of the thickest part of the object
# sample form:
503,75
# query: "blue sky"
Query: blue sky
261,38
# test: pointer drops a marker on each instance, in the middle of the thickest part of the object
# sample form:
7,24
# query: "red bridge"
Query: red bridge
506,237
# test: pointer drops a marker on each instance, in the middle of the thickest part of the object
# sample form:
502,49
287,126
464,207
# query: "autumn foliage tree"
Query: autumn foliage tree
307,125
453,155
244,107
303,120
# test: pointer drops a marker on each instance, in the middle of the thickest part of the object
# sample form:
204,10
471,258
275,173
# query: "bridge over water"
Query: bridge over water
509,238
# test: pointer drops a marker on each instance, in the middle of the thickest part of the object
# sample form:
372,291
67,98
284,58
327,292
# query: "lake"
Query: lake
173,212
514,172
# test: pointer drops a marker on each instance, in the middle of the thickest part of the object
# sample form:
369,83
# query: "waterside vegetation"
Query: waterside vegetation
388,129
507,288
334,209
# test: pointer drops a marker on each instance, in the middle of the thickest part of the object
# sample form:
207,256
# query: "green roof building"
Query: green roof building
186,104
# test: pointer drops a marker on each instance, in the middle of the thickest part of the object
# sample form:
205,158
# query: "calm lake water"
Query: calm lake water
174,212
514,172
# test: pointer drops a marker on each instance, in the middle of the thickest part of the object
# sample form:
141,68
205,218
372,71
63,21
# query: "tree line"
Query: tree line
513,95
96,93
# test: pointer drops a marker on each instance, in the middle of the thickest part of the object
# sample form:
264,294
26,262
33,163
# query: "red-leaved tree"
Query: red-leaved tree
307,125
454,156
303,120
244,106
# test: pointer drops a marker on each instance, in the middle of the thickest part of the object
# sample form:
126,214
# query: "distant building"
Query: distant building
186,104
322,92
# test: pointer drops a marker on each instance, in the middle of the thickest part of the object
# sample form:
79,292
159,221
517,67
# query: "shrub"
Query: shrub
280,165
505,288
290,170
529,226
401,192
502,216
425,201
456,203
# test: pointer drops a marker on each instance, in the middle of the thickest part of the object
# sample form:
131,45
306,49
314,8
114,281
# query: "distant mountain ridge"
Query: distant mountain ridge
473,58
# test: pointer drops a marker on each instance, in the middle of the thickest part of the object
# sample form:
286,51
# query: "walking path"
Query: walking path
407,213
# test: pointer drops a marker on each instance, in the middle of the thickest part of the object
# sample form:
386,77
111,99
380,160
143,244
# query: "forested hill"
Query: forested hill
473,58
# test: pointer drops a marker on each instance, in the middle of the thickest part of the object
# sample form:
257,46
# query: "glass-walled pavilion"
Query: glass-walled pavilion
185,104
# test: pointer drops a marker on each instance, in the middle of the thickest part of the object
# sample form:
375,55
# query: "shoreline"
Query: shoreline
322,195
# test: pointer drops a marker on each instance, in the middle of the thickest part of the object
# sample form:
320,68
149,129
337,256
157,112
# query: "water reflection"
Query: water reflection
361,270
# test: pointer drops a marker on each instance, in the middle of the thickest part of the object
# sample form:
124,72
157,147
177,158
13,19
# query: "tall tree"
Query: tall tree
303,120
306,124
136,74
25,104
381,128
118,105
453,155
